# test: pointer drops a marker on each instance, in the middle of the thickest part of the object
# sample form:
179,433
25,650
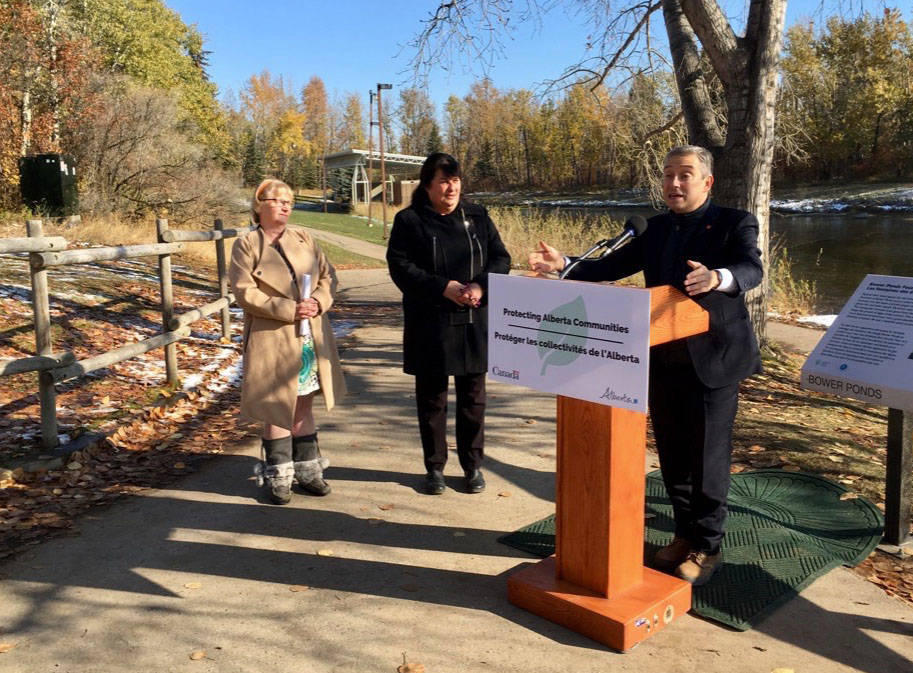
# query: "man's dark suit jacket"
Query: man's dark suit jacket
718,238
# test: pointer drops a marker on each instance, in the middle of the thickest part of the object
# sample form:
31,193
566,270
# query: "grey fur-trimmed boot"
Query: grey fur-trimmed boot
278,470
309,465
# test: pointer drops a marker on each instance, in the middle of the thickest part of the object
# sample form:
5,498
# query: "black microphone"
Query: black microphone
634,227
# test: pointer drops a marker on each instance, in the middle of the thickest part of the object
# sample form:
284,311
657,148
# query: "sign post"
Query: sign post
867,354
590,343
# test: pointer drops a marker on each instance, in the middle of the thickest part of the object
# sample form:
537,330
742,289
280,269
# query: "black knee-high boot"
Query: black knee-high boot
278,469
309,465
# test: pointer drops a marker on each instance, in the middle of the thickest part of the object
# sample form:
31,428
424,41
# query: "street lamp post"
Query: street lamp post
370,151
380,136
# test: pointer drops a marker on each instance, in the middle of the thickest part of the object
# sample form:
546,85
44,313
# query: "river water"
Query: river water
835,251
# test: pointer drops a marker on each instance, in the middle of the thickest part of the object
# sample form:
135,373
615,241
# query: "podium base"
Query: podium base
620,622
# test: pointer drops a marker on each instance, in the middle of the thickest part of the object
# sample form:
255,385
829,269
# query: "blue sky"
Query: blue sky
354,44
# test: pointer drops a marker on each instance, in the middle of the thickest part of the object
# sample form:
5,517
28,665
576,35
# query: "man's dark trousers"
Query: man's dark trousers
431,405
692,425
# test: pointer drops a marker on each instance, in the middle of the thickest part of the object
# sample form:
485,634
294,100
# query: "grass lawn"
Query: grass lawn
346,225
343,259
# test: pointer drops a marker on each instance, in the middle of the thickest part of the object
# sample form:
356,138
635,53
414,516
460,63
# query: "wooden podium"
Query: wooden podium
596,583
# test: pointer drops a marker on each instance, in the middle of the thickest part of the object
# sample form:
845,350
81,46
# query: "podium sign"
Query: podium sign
867,354
581,340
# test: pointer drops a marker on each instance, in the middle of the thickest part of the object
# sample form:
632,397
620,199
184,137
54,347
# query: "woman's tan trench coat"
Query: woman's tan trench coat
263,287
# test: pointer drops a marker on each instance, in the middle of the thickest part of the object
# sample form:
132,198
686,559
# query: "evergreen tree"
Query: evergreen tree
254,160
434,143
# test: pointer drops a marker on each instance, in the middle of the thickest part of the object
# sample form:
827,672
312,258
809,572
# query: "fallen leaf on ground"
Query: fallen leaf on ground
199,654
386,506
503,494
297,588
6,647
193,585
411,667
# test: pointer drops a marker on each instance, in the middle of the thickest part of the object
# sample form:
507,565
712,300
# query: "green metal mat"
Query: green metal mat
784,530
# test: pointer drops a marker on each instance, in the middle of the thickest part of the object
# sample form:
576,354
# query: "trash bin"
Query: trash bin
47,183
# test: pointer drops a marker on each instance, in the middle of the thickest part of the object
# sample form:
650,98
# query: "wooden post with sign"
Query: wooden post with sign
865,355
898,497
596,583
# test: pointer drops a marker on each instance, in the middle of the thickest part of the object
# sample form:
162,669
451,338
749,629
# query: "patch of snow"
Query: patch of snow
897,207
585,203
342,328
85,298
227,378
809,205
192,381
824,320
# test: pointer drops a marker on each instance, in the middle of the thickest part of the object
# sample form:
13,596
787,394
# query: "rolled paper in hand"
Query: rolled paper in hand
304,327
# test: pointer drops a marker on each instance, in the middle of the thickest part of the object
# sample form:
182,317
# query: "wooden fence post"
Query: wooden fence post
171,358
898,501
41,306
223,280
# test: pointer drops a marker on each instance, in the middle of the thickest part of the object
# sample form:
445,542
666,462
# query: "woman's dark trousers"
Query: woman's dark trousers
431,405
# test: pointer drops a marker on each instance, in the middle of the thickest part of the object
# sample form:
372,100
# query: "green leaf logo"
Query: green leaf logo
561,343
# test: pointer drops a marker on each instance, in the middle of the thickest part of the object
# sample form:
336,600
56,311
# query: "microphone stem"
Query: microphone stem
582,257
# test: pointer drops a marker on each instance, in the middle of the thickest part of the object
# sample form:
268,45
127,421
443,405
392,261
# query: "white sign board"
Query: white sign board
867,354
581,340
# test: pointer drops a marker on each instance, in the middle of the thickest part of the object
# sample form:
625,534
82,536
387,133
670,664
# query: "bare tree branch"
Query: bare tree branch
468,30
619,28
662,129
715,33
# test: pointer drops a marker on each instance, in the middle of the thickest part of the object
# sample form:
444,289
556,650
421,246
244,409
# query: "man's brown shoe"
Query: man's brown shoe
699,567
671,556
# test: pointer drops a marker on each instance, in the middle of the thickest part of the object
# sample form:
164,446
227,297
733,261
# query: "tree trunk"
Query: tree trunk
52,8
747,69
25,121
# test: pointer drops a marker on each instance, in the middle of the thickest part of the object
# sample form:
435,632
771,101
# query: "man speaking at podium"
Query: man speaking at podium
711,254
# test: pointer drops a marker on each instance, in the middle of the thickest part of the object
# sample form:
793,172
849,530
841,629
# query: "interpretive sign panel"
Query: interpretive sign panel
867,354
580,340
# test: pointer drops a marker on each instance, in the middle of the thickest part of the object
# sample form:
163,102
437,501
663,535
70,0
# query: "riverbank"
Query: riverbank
786,199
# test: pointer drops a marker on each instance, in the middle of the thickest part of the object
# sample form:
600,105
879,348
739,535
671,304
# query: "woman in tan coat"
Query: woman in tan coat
285,285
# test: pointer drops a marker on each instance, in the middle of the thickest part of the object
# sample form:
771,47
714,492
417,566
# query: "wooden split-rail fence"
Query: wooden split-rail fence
55,367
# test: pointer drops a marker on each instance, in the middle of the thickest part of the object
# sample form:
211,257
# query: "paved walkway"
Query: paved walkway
349,582
359,247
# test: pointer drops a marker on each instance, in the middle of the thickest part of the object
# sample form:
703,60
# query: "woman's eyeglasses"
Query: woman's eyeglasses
279,202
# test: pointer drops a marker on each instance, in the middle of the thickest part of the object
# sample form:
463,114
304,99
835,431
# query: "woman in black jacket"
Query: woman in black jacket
440,253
